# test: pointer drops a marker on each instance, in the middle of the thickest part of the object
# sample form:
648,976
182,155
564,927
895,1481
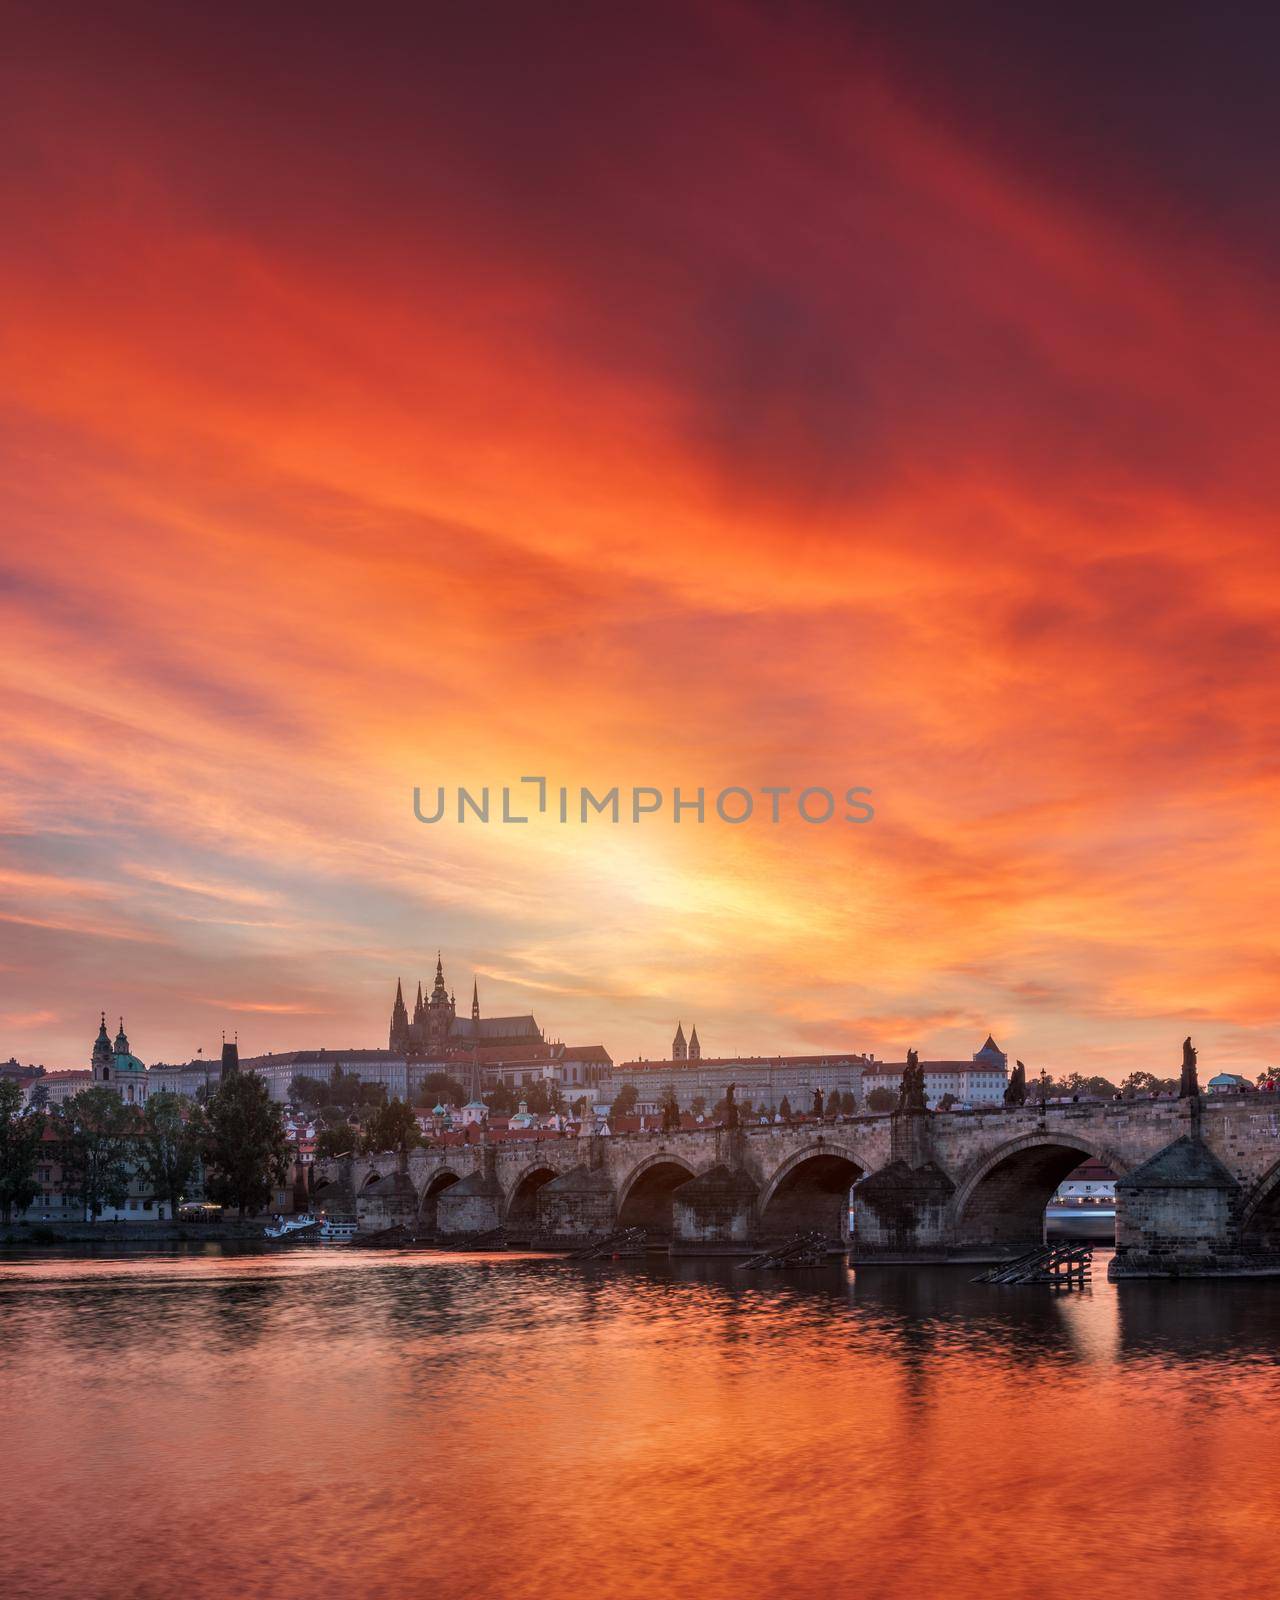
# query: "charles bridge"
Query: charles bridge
1198,1184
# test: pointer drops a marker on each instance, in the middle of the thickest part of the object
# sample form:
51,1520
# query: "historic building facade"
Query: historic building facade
980,1081
759,1081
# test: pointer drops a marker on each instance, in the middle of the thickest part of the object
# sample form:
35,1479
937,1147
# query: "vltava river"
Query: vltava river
335,1423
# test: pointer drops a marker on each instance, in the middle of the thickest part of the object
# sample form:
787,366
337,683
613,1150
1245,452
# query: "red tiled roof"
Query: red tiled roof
1091,1171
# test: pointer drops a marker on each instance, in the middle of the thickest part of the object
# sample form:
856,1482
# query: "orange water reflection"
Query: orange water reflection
211,1425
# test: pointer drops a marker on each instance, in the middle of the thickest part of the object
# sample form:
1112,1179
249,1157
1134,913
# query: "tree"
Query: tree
448,1091
848,1105
948,1100
392,1127
338,1139
350,1089
784,1110
307,1091
1269,1077
501,1100
555,1099
1140,1083
246,1149
670,1110
100,1145
20,1138
535,1097
624,1102
170,1145
881,1100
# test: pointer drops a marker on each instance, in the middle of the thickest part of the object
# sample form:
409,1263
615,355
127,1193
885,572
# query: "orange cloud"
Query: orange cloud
824,445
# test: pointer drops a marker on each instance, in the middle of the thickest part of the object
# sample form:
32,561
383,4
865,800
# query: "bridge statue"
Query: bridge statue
1189,1087
1015,1091
911,1095
817,1104
731,1118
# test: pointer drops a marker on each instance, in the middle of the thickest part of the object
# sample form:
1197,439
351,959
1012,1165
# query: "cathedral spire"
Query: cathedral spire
475,1000
695,1049
439,994
679,1049
102,1044
399,1034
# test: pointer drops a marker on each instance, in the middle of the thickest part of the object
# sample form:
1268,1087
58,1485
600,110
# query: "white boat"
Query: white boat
337,1230
286,1227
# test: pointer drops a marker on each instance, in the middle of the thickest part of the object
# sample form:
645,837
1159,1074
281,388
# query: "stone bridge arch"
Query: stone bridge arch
441,1179
809,1192
645,1194
520,1208
1260,1213
1001,1200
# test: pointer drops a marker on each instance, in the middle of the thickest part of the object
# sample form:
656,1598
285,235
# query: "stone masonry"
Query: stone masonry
939,1186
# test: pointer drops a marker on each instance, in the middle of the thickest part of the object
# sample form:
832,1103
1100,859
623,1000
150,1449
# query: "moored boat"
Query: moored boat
290,1227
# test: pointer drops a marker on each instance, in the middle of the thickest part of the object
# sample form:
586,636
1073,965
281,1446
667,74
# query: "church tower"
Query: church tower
116,1064
439,1013
695,1049
101,1052
475,1000
679,1049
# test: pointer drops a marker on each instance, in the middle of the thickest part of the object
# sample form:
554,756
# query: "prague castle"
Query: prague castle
438,1033
434,1039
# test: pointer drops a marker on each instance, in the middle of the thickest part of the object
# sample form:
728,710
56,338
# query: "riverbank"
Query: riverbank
28,1235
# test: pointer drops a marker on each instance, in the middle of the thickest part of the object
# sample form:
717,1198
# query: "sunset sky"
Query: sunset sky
690,394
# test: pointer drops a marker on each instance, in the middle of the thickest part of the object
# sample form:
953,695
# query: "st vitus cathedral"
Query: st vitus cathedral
436,1031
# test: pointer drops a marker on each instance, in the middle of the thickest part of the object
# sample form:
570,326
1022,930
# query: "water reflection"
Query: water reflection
521,1426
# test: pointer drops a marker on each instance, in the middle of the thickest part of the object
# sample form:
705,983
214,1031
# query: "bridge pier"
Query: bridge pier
575,1208
901,1211
715,1213
900,1214
472,1205
1178,1215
